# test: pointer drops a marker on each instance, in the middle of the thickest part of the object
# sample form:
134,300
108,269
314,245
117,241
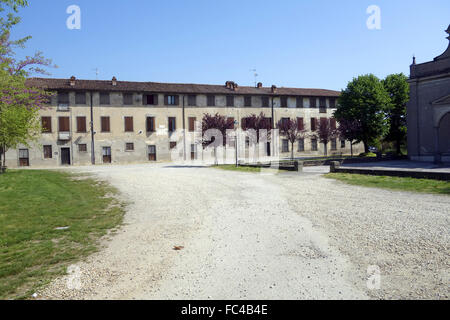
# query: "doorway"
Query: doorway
65,156
106,154
24,158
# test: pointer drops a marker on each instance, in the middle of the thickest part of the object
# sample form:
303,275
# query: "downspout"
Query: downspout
92,130
184,130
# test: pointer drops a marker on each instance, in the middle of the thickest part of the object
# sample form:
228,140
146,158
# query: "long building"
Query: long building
99,122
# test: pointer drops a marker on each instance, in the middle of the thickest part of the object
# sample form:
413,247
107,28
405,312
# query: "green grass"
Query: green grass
232,167
32,205
394,183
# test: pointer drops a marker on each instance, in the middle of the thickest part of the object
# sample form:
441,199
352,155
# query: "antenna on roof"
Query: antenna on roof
256,76
97,72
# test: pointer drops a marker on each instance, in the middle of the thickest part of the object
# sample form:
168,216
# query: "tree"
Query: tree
212,126
19,104
365,100
257,123
292,131
349,130
326,132
398,89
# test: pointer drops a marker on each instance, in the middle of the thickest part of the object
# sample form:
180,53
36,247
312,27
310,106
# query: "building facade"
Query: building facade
101,122
428,111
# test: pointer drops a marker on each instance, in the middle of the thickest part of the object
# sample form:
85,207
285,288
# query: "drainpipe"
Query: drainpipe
184,131
92,130
272,144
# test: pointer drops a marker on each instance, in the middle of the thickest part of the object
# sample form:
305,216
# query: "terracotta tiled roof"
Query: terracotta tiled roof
106,85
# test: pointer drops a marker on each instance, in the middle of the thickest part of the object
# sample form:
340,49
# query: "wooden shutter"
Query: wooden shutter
192,124
64,124
81,124
333,123
46,124
155,99
313,124
105,124
177,100
300,125
129,124
299,102
48,152
150,124
323,122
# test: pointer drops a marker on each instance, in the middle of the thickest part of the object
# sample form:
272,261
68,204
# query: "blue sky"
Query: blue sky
291,43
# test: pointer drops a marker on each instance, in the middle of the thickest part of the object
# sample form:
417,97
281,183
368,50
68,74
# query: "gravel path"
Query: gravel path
252,236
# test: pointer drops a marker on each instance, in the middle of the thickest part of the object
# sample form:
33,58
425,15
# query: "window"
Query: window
265,102
285,121
333,144
104,98
150,99
285,145
82,147
333,123
211,101
63,98
322,103
127,99
313,124
230,101
172,145
64,124
128,124
105,127
48,154
192,124
247,101
171,100
24,160
81,124
192,100
193,151
46,124
152,153
313,103
342,144
332,102
231,120
283,102
300,124
301,145
172,124
80,98
150,124
313,144
129,146
299,102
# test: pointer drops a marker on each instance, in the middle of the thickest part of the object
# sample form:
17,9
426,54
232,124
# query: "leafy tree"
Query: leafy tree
326,132
257,123
349,130
365,100
398,89
218,123
291,130
19,104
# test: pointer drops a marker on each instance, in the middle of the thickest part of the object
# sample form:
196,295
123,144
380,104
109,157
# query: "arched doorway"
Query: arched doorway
444,135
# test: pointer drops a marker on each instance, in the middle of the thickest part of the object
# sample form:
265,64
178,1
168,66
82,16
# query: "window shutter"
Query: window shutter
166,100
177,100
64,124
300,124
129,124
333,123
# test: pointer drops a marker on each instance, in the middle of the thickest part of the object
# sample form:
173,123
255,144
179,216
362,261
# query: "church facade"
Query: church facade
428,111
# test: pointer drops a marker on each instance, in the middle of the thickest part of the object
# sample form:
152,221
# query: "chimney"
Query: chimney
259,85
235,86
274,89
72,81
114,81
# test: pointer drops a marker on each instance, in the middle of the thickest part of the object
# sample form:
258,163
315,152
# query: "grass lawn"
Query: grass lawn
394,183
232,167
32,205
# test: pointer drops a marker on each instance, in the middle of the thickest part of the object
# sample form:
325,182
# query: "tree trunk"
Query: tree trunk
398,144
325,149
366,147
351,147
292,151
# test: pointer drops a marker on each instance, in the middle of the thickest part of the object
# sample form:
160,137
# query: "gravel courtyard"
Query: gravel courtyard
255,236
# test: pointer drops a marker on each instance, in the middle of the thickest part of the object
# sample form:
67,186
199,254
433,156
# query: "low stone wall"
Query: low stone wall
327,162
294,166
443,176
